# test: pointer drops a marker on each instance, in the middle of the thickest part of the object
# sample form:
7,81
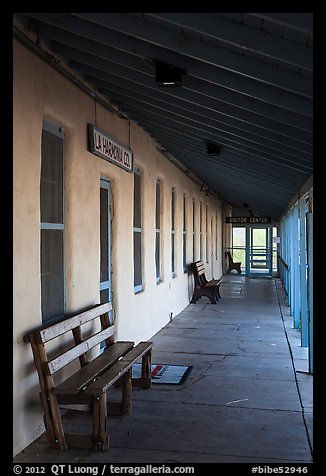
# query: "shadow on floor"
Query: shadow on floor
243,401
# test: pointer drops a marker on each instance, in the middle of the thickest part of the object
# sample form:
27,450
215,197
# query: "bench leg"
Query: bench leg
197,295
53,422
100,436
218,292
145,380
126,393
48,422
146,369
212,296
209,292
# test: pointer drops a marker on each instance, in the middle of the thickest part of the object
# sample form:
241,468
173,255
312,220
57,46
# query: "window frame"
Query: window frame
173,250
201,231
158,232
184,235
193,231
58,132
206,235
139,287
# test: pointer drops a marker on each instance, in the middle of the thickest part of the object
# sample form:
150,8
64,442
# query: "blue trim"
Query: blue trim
296,250
105,184
107,285
303,274
264,252
310,282
52,226
138,289
104,285
52,129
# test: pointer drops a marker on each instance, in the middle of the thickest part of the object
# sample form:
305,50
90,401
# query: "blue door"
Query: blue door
259,251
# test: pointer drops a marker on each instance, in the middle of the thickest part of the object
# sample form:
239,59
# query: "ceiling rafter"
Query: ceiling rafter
246,85
204,63
232,143
158,37
245,38
204,117
129,60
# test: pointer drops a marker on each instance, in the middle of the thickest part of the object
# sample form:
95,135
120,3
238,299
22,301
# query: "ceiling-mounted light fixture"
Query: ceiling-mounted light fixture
213,149
167,75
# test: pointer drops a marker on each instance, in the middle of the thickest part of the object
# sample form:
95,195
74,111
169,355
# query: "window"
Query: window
105,257
52,224
173,233
206,231
184,243
158,232
201,231
193,230
138,280
216,234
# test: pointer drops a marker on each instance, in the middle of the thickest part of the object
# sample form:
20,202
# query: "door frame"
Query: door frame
266,255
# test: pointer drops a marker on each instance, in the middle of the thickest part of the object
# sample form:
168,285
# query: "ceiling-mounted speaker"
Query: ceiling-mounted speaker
167,75
213,149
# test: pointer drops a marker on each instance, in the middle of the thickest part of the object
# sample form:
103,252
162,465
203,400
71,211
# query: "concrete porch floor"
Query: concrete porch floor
245,399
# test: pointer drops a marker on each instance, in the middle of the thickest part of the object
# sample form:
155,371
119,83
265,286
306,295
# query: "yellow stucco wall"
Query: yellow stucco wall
42,93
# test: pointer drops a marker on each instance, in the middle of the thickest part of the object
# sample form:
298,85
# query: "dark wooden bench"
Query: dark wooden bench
89,383
233,264
203,287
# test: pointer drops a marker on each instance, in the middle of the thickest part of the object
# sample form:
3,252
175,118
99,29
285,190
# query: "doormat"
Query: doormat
164,373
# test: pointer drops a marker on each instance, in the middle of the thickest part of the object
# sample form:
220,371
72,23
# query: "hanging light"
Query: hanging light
167,75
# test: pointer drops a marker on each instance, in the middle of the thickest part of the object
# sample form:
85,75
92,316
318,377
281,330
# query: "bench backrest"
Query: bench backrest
228,254
46,366
199,273
199,268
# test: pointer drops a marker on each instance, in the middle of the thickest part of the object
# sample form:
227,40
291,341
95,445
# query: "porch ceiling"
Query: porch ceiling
247,85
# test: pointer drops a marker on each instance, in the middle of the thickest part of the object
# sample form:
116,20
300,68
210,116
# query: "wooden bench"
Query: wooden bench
203,287
233,264
89,383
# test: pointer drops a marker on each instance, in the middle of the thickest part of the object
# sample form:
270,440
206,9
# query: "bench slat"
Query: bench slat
93,369
214,282
199,265
117,370
70,323
200,271
72,354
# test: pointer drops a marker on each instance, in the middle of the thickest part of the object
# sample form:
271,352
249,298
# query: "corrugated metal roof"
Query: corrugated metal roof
246,85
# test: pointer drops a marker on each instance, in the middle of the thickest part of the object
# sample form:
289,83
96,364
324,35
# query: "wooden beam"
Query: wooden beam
251,80
297,21
242,36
